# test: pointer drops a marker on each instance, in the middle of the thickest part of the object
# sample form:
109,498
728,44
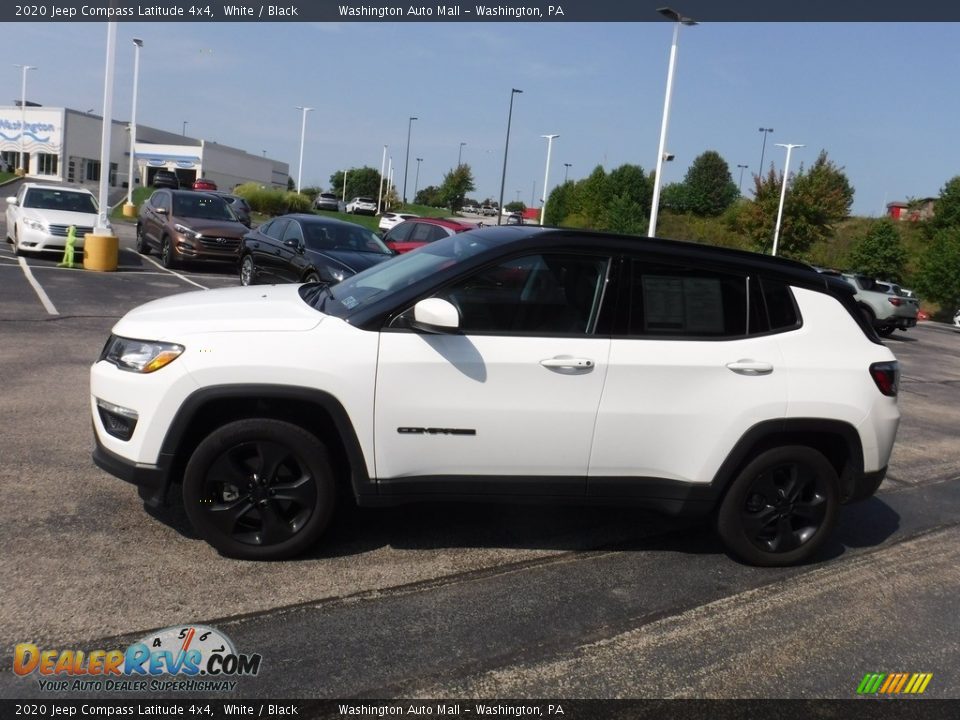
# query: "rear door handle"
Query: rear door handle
567,362
750,367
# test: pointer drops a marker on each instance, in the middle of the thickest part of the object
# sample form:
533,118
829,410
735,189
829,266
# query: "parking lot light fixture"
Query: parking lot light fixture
460,154
130,209
406,162
184,131
783,193
506,147
566,170
546,176
742,168
383,166
678,20
103,224
23,116
416,182
345,173
303,135
763,148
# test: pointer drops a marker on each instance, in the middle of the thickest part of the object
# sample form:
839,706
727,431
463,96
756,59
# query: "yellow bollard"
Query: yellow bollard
101,252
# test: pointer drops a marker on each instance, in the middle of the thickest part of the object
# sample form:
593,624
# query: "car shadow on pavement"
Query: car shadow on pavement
901,337
438,526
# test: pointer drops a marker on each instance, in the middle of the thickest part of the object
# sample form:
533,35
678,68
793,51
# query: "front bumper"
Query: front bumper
42,241
866,484
152,481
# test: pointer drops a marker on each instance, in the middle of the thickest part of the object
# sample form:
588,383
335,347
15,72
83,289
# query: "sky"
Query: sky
880,98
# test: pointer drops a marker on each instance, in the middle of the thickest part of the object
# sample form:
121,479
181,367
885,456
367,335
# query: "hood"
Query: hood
259,308
60,217
350,259
224,228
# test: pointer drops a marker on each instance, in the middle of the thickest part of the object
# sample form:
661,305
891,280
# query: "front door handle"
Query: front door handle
750,367
567,362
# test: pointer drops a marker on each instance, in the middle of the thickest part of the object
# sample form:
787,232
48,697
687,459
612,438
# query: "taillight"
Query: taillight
887,377
895,301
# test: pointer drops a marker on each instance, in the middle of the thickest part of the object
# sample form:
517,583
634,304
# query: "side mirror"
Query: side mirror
436,315
12,200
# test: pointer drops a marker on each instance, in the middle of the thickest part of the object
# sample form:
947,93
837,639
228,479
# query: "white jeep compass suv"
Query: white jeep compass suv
507,363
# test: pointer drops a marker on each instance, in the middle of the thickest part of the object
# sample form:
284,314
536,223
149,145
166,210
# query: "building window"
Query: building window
93,170
47,164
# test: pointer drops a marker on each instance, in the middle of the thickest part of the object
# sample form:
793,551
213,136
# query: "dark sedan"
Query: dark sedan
308,248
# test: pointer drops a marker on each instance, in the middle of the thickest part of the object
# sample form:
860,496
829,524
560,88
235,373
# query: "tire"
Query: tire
248,270
259,489
142,246
781,508
886,330
167,253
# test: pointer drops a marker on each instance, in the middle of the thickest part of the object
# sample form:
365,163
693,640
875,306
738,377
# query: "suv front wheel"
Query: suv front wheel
259,489
781,507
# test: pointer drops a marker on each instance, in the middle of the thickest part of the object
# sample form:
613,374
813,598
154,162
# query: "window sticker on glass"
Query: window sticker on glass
349,302
690,305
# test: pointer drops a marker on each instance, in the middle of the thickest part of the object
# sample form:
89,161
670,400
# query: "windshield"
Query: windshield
328,236
206,207
60,200
377,282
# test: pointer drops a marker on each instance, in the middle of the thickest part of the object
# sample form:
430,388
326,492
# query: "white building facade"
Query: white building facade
64,145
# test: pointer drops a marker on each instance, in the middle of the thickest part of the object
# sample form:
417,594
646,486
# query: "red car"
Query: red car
412,234
204,184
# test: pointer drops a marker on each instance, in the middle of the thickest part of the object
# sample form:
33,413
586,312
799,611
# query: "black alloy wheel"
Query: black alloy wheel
248,270
142,246
166,253
259,489
781,508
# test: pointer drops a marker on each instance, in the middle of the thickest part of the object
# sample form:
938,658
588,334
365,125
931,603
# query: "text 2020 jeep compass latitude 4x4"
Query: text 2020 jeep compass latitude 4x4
507,363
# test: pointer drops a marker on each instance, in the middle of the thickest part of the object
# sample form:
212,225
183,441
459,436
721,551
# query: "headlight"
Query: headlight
189,232
34,224
139,356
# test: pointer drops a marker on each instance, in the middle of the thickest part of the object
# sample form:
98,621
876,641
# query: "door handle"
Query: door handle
567,362
750,367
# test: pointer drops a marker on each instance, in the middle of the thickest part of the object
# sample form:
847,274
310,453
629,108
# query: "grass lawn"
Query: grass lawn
140,196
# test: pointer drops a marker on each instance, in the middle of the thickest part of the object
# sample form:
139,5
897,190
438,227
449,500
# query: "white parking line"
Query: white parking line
182,277
39,290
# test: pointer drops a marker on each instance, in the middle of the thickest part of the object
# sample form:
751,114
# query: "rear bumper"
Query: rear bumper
866,484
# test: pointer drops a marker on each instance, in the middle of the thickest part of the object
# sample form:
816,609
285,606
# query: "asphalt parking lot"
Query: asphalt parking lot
476,601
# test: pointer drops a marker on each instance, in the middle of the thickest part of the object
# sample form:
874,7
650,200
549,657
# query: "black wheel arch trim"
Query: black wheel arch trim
761,434
264,393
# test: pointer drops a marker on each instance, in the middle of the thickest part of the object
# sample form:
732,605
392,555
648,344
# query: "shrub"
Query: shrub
297,203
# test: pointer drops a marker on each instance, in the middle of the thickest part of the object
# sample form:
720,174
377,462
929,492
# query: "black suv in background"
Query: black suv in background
166,179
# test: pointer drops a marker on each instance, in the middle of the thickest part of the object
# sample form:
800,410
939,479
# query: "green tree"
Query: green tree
561,204
938,271
456,184
816,200
428,196
515,206
946,211
880,253
708,186
363,181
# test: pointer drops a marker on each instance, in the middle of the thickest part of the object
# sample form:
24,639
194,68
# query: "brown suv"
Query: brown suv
188,225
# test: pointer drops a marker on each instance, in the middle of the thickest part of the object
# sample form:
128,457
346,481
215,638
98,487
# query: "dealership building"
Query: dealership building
64,145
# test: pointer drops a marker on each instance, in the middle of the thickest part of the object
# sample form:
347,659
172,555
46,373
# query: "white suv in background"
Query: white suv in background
362,205
40,215
509,364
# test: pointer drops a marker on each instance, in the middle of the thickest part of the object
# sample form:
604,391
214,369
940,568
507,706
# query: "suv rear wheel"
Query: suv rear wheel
259,489
781,507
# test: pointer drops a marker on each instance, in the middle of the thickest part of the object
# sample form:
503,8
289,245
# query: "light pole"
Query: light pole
678,20
416,182
546,176
506,147
383,165
386,196
184,131
343,197
742,168
130,209
407,161
783,193
763,148
303,135
460,154
23,115
566,169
